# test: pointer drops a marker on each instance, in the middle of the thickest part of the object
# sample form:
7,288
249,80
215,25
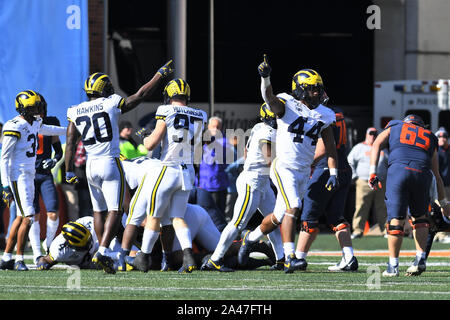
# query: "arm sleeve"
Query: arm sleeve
8,145
49,130
58,150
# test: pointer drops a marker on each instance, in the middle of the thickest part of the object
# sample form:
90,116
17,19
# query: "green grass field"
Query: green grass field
316,283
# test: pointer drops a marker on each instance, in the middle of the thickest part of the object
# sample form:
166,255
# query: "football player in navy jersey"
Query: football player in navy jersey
412,162
44,184
319,200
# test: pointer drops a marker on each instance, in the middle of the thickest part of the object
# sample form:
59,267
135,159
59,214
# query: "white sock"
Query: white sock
301,255
277,243
148,240
184,237
421,255
52,226
393,261
102,250
6,256
35,239
255,235
348,253
289,247
226,239
19,257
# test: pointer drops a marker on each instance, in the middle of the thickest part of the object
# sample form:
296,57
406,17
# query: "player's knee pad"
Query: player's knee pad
310,227
341,226
394,230
419,223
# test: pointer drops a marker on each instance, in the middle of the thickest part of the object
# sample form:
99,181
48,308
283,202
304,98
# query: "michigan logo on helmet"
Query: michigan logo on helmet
267,116
77,235
414,119
98,85
307,80
177,88
28,103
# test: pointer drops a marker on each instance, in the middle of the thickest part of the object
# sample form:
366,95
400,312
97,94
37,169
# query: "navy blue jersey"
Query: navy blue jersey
340,139
409,143
44,150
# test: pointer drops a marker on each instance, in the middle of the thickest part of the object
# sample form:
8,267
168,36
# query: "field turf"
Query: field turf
316,283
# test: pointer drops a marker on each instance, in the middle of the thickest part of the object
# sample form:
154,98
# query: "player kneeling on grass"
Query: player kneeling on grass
75,245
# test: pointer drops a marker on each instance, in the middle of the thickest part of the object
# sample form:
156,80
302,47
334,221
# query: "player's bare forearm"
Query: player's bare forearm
271,100
320,151
72,136
155,138
379,144
134,100
330,147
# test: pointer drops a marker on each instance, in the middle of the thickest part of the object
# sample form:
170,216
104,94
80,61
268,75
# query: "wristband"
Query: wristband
333,172
372,169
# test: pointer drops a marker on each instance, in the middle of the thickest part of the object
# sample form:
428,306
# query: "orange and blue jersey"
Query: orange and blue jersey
409,177
410,143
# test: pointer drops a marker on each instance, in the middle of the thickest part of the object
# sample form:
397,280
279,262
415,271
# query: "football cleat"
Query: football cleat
292,263
130,263
121,264
7,265
188,262
343,265
211,265
391,271
20,266
142,261
105,262
279,265
165,263
418,266
245,249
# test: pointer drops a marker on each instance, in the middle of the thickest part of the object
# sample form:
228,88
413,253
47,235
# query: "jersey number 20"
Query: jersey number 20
97,132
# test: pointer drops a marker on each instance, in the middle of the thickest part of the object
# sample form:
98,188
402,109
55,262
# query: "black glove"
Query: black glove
264,68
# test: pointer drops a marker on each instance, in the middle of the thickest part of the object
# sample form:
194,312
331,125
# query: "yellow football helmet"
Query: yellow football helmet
307,80
177,88
98,85
76,234
28,103
267,116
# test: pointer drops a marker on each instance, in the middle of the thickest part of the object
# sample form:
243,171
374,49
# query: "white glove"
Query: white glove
48,163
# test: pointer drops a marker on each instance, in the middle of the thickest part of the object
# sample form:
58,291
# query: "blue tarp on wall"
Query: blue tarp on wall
44,46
